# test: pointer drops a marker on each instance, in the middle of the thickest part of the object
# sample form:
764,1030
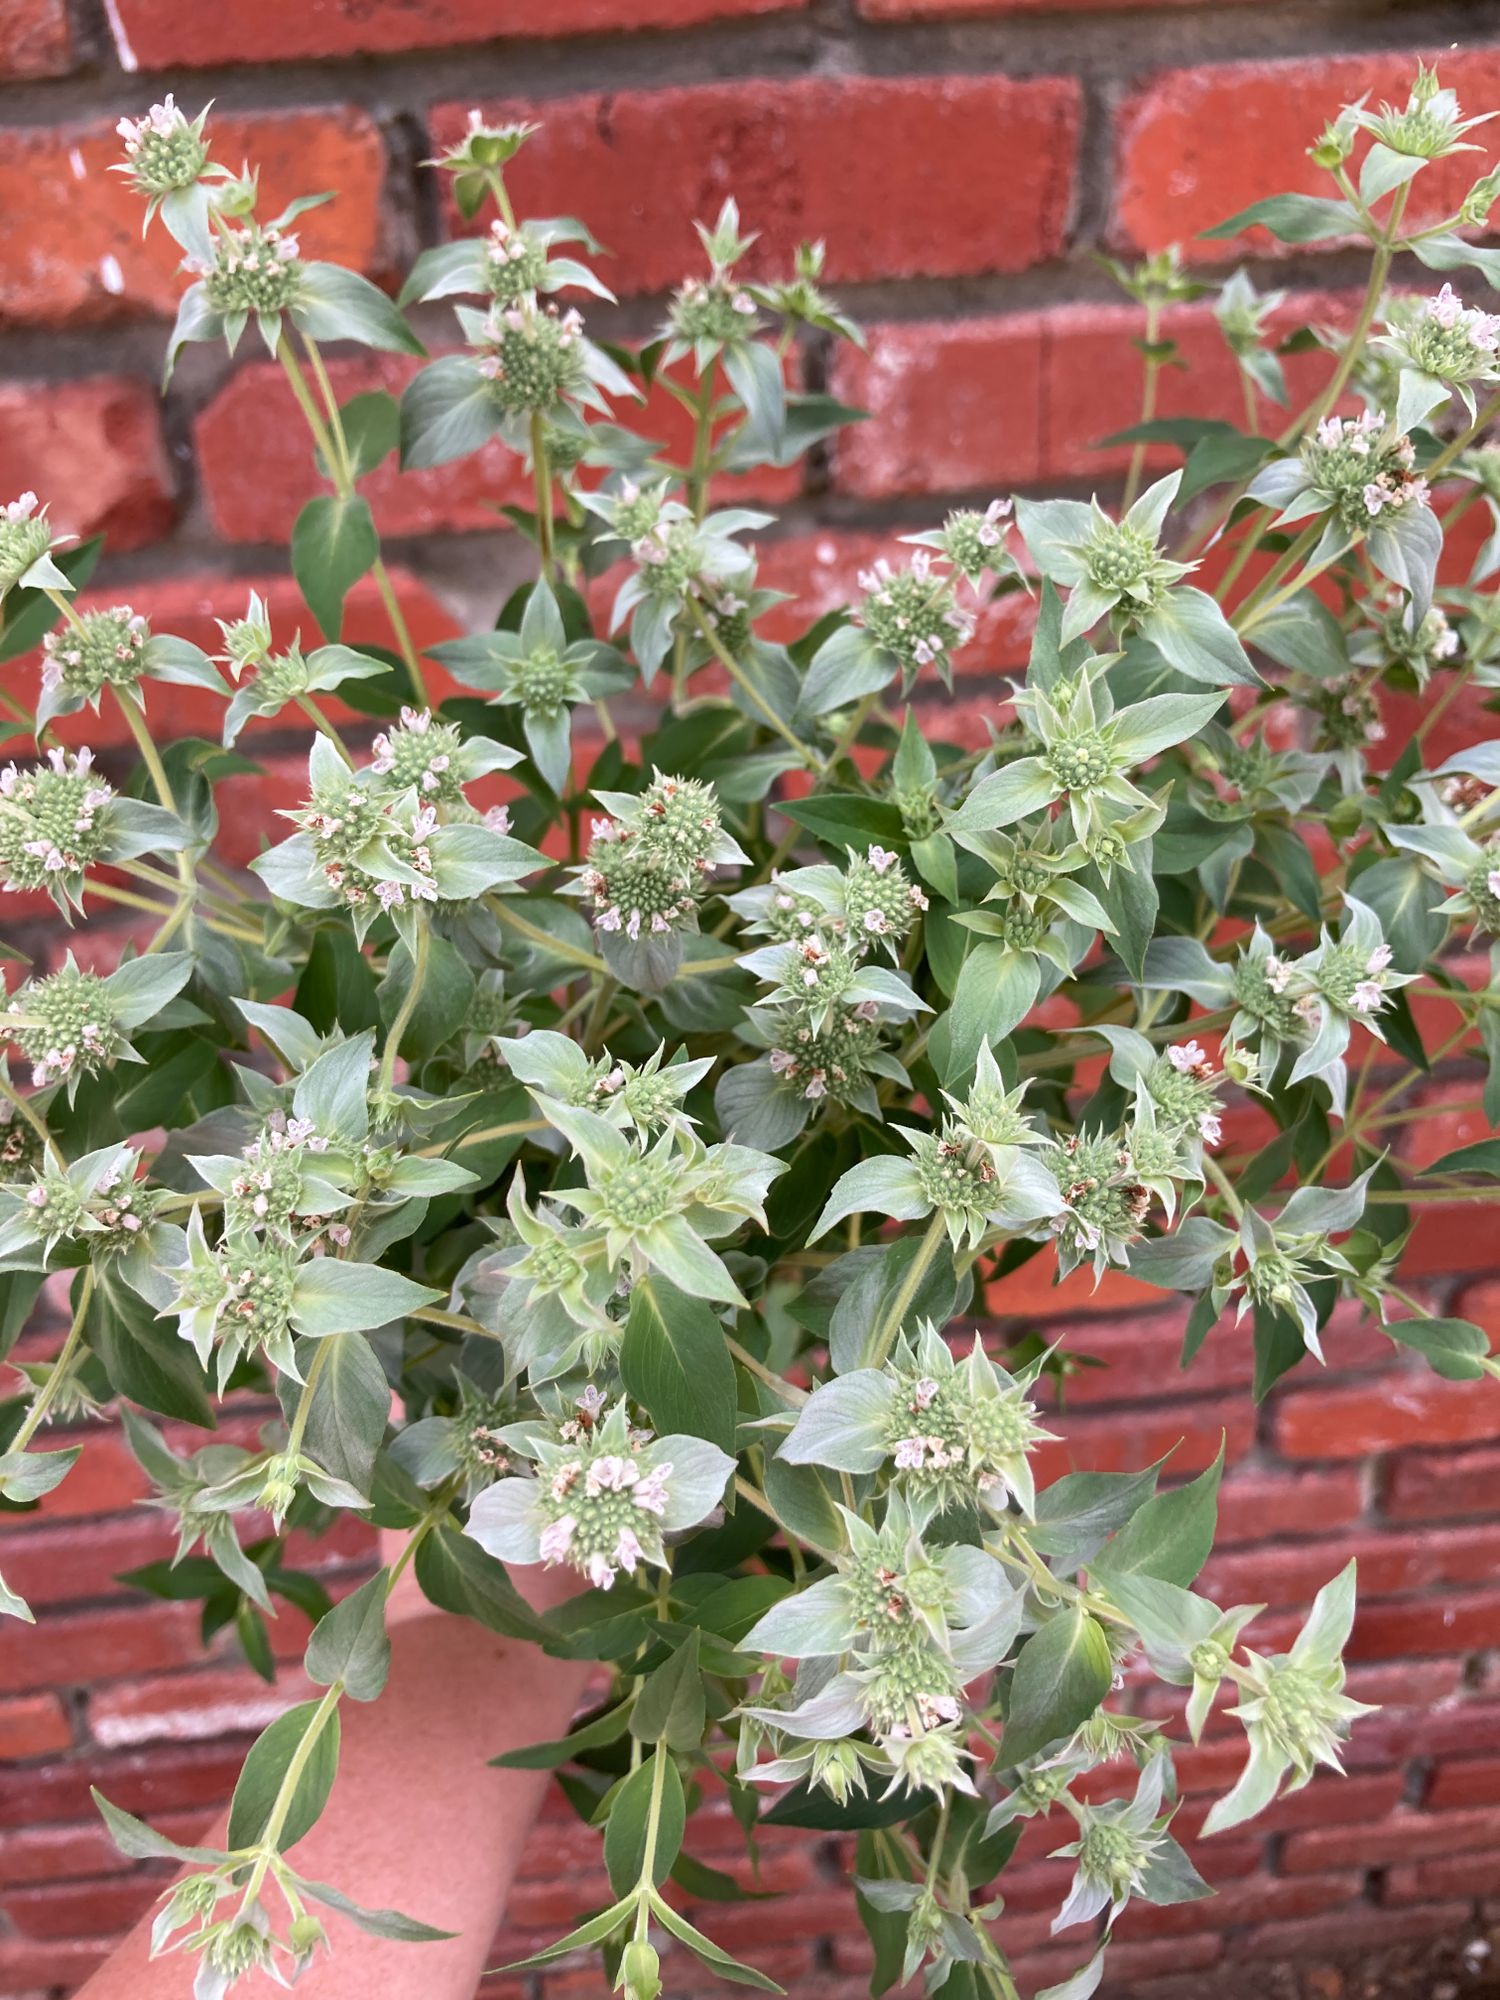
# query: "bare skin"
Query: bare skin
417,1820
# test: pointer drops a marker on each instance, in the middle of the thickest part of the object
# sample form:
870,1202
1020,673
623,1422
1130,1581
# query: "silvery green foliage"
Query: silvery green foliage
652,1101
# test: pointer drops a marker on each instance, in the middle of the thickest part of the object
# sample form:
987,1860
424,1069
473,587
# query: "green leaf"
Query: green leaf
606,1728
1171,1535
350,1644
456,1575
708,1953
268,1763
448,411
139,1842
334,544
846,819
1483,1157
629,1813
1456,1349
377,1923
372,431
30,614
1075,1513
332,1295
1062,1673
351,1402
1290,218
674,1361
442,1004
670,1708
593,1932
143,1356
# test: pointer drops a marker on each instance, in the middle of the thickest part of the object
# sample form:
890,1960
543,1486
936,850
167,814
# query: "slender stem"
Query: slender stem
762,1505
61,1367
287,1792
408,1006
1300,549
305,1401
344,472
900,1305
1148,403
512,918
1222,1182
543,474
1465,438
777,1384
404,643
316,716
737,673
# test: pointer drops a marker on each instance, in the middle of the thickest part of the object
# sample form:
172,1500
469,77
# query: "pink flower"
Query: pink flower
1185,1056
556,1538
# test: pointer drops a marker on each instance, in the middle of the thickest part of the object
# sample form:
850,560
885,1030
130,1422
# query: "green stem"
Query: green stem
303,1410
906,1291
542,472
1148,404
61,1367
407,1008
1221,1181
737,673
523,926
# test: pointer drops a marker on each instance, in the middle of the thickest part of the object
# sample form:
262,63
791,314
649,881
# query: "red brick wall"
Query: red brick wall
963,158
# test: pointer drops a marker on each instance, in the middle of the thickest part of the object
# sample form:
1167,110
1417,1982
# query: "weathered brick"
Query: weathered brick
1025,397
58,1911
994,196
1255,1505
1359,1929
1402,1409
33,1726
956,10
1197,145
92,450
1453,1623
1403,1836
1473,1781
1448,1875
1430,1485
35,39
97,265
185,1708
1389,1565
158,34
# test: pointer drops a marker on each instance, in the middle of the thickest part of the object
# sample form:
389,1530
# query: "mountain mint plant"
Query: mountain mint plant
646,1100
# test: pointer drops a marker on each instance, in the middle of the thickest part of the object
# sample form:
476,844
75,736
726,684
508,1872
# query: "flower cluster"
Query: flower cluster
53,820
1361,470
913,615
25,538
602,1498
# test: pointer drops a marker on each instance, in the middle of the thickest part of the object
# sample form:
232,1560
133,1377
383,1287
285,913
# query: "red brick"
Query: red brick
257,471
72,1910
1473,1782
1255,1505
33,1726
954,10
1258,1899
1451,1875
1447,1624
97,266
1401,1409
74,1648
35,39
1195,146
1389,1565
51,1967
59,1853
185,1708
158,34
1404,1836
1425,1486
93,451
1009,401
994,196
1190,1432
165,1778
1364,1929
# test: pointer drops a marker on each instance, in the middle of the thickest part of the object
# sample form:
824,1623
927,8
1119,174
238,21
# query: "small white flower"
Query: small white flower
1185,1056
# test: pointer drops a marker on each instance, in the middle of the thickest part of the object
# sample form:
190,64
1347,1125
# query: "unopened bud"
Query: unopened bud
640,1971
